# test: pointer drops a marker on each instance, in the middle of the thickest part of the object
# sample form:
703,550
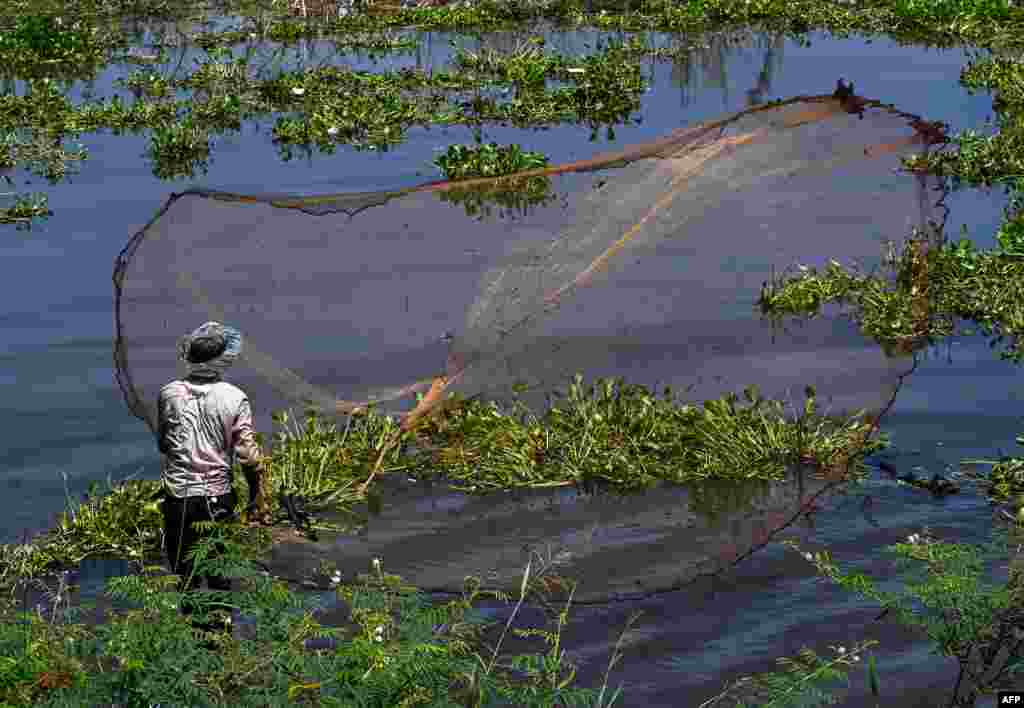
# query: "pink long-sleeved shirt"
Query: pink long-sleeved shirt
204,427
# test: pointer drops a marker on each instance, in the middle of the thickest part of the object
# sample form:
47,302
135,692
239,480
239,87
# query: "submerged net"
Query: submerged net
647,266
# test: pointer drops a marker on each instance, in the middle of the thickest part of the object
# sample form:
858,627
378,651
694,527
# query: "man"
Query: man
205,424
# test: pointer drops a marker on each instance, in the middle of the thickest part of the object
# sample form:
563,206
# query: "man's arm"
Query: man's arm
247,451
163,416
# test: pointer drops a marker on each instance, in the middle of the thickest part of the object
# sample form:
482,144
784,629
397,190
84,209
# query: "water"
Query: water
64,415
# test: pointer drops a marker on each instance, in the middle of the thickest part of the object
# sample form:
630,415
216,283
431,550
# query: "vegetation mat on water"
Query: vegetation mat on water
608,432
625,436
55,40
925,299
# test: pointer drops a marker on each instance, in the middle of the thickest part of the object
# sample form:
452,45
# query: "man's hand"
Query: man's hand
258,510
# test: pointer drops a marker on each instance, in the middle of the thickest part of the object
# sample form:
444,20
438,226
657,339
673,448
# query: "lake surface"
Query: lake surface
63,413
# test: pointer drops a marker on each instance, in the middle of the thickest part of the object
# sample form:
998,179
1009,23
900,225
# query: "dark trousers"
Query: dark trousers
180,537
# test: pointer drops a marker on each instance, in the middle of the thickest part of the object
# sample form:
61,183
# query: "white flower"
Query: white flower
298,90
856,658
378,634
576,70
841,650
332,131
913,538
376,564
809,557
252,35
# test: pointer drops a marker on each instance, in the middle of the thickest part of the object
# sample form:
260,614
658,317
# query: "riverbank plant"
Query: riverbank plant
804,680
947,596
395,649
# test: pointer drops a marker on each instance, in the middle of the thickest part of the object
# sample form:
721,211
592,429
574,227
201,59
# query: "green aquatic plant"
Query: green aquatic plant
321,463
512,196
599,89
1005,481
25,210
628,437
179,150
317,108
946,595
923,301
486,160
41,45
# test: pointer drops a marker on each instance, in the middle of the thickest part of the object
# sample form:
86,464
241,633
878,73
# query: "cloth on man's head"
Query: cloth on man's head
210,350
203,349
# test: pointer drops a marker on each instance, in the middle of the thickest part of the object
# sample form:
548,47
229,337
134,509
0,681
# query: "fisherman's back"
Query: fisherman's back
203,425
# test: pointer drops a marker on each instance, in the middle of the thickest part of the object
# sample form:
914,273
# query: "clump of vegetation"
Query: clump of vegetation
926,298
487,160
985,160
1005,481
516,195
45,45
179,150
25,210
625,436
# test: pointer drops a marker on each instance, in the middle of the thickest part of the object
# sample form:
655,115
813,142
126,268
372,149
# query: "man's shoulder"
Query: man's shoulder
228,390
171,387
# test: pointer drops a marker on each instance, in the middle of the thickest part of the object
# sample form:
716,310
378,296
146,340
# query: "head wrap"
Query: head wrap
211,334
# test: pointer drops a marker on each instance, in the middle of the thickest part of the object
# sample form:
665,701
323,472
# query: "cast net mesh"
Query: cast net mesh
648,266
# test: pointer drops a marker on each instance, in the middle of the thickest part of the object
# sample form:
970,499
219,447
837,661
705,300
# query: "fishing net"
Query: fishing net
645,263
